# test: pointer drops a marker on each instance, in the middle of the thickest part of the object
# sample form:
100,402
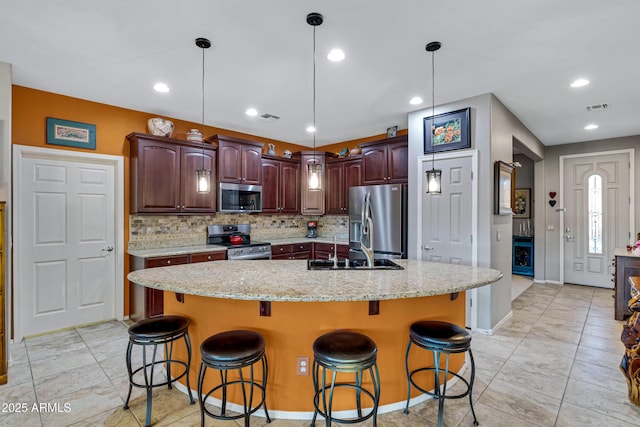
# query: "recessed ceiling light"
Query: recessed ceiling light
311,129
416,100
336,55
251,112
580,83
161,87
591,126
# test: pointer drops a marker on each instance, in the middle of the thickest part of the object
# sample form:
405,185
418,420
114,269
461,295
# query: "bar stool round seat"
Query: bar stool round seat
344,351
234,350
161,330
441,338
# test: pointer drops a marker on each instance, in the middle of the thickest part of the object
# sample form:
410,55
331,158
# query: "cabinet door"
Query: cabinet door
229,162
352,178
154,298
374,164
251,165
193,159
289,187
156,169
398,162
280,251
335,188
312,202
270,186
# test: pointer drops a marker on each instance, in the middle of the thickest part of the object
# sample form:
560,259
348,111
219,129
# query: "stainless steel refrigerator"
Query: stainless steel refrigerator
389,215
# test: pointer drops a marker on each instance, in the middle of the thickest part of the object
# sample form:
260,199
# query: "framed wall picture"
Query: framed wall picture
392,132
502,188
447,131
71,134
522,203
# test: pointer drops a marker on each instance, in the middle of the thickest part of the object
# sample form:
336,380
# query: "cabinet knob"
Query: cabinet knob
209,257
168,261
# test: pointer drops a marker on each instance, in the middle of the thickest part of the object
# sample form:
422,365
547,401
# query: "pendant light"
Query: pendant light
314,169
203,176
434,176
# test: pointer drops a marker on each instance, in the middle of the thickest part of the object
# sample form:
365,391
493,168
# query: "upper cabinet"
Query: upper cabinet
239,161
280,185
341,175
163,175
312,201
385,161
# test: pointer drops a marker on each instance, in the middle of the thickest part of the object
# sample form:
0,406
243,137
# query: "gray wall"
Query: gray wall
525,179
552,178
493,129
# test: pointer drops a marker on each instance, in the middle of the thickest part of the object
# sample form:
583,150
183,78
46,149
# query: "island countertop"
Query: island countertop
289,280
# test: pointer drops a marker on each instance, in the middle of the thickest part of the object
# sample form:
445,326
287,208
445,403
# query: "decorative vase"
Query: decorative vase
160,127
194,135
287,154
271,150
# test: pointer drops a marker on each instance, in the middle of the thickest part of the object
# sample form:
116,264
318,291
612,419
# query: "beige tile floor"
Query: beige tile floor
554,363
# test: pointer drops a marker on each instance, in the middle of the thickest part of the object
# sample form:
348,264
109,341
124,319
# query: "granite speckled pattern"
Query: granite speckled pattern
289,280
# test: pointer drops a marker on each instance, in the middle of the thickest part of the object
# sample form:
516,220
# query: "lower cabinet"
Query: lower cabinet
292,251
147,302
326,251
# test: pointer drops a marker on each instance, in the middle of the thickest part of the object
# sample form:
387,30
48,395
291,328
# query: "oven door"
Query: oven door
249,253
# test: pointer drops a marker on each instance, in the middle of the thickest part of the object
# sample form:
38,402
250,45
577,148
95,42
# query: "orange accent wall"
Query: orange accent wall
30,109
337,147
293,326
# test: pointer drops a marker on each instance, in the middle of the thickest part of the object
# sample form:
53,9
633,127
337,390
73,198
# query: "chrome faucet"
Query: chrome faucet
335,251
367,230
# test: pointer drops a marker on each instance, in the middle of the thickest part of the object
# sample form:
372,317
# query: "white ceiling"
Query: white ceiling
525,52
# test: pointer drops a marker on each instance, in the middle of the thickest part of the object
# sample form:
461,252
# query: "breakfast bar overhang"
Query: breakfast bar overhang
304,304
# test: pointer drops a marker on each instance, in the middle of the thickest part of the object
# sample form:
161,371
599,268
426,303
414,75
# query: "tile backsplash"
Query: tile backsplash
159,231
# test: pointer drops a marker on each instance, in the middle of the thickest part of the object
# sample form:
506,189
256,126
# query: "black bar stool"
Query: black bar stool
234,350
440,338
344,351
162,330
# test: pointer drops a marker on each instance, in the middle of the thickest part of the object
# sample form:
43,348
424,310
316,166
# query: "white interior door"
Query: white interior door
597,216
66,265
449,219
446,217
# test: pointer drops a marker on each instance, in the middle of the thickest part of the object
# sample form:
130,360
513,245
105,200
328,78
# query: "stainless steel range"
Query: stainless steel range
237,239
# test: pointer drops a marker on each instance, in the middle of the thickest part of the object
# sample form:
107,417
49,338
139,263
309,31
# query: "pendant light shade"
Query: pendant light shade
434,176
314,172
203,176
434,181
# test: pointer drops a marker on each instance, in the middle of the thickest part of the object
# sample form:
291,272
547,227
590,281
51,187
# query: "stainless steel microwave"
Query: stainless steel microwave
239,198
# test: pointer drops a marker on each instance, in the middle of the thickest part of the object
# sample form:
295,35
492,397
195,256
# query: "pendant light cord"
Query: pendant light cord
433,107
314,95
203,105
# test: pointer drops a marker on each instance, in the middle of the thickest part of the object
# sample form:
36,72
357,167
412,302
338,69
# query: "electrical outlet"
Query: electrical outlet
302,367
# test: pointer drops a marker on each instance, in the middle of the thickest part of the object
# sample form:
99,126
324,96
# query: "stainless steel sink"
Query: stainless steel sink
327,264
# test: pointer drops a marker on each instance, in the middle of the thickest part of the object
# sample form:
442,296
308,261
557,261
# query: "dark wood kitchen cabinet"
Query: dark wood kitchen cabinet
312,202
163,175
146,302
239,160
341,175
626,265
280,185
292,251
326,251
385,161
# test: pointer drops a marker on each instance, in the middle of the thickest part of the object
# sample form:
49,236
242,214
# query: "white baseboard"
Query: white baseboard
495,327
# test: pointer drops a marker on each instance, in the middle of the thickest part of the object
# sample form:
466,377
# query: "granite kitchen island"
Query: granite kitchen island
292,306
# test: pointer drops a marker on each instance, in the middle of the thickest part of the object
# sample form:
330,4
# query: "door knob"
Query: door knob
427,248
108,249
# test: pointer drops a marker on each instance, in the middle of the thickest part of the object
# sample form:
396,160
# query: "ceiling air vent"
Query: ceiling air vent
597,107
269,117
